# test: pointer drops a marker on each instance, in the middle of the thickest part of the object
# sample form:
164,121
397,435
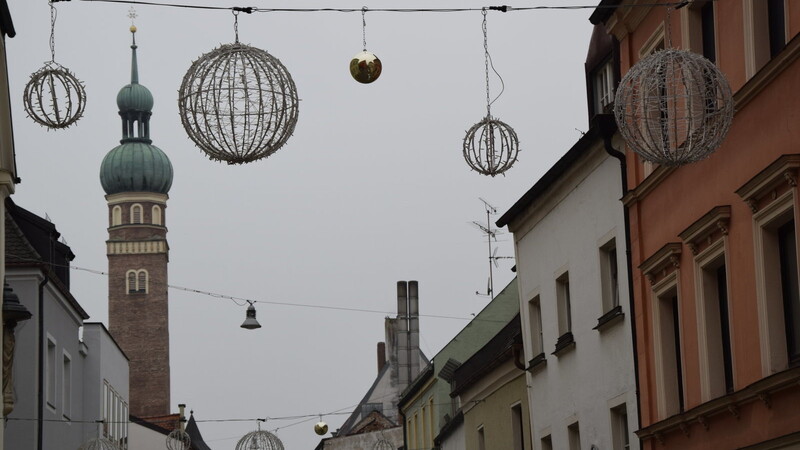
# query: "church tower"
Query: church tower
136,177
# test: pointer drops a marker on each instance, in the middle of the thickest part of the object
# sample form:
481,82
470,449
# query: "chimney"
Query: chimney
182,416
404,375
381,355
413,328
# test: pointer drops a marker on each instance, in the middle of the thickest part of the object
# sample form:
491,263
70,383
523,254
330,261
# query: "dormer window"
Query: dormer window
603,79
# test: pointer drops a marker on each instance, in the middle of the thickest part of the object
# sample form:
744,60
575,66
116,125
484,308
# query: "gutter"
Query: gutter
40,403
608,127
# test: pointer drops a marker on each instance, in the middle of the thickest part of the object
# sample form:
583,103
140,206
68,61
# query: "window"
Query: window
609,271
137,281
765,32
770,195
136,213
535,322
481,439
547,442
698,22
564,306
116,216
51,372
619,428
156,215
603,79
66,386
517,429
668,353
115,416
574,436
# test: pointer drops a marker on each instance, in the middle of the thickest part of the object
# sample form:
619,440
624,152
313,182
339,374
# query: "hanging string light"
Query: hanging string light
238,103
490,146
54,97
674,107
365,67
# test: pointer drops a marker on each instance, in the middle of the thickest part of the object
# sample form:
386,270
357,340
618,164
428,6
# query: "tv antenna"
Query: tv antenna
490,233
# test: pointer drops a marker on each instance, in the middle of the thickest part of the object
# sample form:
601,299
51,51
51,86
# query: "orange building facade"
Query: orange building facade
713,244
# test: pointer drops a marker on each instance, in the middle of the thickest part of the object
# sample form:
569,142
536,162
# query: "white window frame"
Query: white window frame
564,304
156,215
51,379
610,275
535,325
66,385
116,216
134,208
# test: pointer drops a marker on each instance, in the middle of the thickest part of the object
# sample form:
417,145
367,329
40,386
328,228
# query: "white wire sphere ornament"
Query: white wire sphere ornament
383,444
54,97
99,444
674,107
178,439
238,103
491,146
259,440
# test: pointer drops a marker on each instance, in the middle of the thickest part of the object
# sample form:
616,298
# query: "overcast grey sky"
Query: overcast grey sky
371,189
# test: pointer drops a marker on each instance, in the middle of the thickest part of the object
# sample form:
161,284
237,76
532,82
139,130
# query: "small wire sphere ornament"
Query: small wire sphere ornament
674,107
365,67
54,97
99,444
178,439
238,103
259,440
383,444
491,146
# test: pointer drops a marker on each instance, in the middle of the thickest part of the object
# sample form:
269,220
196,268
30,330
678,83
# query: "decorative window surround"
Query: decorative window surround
613,316
666,260
539,361
778,178
564,343
706,230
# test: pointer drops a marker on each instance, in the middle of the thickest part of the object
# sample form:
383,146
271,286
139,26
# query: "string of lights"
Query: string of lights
242,301
501,8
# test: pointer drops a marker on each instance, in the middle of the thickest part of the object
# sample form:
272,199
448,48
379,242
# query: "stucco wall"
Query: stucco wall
141,438
563,231
104,362
365,441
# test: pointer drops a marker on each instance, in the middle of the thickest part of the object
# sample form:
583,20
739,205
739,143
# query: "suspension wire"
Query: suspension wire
502,8
489,63
236,24
242,301
53,16
364,26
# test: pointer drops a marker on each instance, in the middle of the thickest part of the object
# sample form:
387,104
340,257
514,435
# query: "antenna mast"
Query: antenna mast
490,233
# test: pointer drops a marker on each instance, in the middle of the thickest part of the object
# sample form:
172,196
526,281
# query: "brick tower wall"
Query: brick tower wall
139,321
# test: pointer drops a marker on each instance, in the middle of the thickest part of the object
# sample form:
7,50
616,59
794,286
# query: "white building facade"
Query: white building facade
569,240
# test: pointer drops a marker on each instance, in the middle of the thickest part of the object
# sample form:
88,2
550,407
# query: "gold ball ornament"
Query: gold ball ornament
365,67
321,428
133,28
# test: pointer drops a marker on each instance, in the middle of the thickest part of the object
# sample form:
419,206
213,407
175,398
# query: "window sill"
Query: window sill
613,316
565,342
537,363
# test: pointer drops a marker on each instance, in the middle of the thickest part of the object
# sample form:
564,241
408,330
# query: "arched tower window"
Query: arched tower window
116,216
156,215
136,213
137,281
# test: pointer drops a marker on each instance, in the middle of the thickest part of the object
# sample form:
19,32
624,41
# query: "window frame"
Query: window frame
66,385
137,212
51,366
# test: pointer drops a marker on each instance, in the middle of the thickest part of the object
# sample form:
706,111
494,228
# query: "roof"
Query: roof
108,334
194,433
6,24
497,351
151,425
603,11
136,166
416,385
559,168
348,424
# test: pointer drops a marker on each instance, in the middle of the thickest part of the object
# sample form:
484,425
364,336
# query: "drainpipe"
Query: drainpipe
608,127
40,405
403,415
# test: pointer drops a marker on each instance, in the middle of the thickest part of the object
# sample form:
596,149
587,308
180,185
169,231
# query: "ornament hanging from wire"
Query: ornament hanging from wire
674,107
320,427
54,97
238,103
491,146
99,444
259,440
365,67
178,439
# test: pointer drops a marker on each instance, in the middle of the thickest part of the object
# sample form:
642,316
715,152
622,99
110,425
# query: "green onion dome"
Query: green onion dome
136,167
135,97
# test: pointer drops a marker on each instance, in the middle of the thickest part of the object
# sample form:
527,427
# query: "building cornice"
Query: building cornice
126,197
716,220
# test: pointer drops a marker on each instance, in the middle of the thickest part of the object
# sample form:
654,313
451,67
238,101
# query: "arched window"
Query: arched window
141,282
137,281
156,215
116,216
136,213
131,281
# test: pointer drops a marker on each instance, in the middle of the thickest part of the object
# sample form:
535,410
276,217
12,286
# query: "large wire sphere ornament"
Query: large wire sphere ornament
54,97
99,444
178,439
491,146
674,107
259,440
238,103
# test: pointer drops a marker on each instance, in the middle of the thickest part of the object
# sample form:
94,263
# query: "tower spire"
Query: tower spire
134,65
